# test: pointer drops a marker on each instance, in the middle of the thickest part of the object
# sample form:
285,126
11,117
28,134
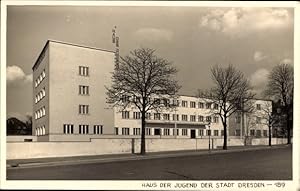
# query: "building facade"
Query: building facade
252,123
192,118
69,102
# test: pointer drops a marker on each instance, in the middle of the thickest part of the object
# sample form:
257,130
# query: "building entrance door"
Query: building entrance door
193,133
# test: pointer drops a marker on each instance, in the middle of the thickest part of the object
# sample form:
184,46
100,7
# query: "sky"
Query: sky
194,39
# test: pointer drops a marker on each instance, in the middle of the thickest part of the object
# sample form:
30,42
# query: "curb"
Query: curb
136,157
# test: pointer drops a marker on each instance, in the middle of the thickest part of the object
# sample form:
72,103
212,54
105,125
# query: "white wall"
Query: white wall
24,150
20,138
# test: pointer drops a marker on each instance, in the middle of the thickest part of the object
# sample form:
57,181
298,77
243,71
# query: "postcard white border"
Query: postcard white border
137,185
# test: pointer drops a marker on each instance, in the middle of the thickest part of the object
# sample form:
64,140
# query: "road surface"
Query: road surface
269,164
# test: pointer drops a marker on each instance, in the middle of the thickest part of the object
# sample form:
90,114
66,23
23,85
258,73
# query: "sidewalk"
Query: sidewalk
58,161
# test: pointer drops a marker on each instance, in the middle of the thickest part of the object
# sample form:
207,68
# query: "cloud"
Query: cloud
286,61
154,34
259,80
237,22
259,56
15,75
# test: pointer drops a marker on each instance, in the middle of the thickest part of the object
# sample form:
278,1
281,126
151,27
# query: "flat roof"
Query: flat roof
66,43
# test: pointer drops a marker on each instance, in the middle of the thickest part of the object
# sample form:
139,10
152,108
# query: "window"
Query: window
116,130
201,132
184,103
125,131
83,109
136,131
258,120
208,105
175,102
175,131
258,133
156,131
157,101
184,131
237,132
166,116
200,118
40,130
98,129
148,115
184,117
166,132
166,102
136,115
148,131
216,106
40,95
156,116
216,132
252,132
83,129
238,119
265,133
193,118
137,99
125,98
258,106
68,128
216,119
84,90
125,114
200,105
193,104
208,118
222,132
40,78
175,117
83,71
40,113
208,132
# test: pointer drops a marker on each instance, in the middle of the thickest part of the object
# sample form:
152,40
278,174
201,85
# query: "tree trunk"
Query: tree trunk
143,142
225,134
288,127
270,136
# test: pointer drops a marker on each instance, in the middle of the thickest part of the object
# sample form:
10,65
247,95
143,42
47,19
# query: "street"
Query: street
268,164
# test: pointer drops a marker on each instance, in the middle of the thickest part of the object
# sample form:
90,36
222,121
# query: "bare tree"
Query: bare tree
144,81
231,93
281,86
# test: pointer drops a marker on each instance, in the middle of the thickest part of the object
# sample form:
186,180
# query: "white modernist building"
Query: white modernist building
69,103
68,92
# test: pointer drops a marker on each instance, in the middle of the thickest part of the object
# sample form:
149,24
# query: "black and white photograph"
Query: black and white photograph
149,95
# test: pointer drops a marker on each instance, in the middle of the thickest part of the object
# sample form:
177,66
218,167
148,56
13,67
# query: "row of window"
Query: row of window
175,117
82,129
257,133
40,113
238,119
166,102
40,130
165,131
40,78
40,95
